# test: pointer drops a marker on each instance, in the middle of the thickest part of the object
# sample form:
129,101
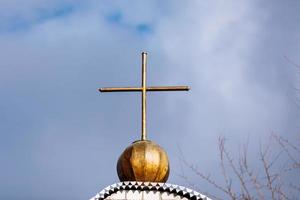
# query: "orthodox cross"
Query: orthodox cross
144,89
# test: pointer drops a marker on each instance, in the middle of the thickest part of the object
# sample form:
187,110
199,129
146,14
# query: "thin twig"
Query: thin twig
267,172
227,180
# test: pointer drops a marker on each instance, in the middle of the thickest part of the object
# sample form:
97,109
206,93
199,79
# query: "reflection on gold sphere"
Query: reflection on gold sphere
143,161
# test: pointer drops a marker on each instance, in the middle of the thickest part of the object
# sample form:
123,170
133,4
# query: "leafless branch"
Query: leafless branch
266,182
253,178
267,171
233,167
224,172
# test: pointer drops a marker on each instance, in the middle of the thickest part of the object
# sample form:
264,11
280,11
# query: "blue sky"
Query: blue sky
60,138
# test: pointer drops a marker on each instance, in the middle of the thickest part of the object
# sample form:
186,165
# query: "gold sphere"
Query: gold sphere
143,161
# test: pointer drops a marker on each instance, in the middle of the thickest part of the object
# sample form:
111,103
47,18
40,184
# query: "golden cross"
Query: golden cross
144,89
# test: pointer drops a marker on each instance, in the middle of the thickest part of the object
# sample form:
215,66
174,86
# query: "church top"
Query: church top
144,160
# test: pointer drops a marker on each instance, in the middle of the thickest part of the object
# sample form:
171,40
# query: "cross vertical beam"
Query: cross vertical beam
144,97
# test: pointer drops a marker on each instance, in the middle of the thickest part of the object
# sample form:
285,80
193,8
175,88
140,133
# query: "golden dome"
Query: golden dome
143,161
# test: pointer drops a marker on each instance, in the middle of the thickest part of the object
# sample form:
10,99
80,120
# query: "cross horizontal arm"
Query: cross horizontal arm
120,89
139,89
168,88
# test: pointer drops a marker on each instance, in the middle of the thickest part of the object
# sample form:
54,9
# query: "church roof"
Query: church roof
149,186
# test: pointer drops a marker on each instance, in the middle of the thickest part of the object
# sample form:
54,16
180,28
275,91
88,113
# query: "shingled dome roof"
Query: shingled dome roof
147,191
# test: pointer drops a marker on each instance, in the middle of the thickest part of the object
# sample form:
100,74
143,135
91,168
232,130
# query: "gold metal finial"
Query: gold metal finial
144,89
143,161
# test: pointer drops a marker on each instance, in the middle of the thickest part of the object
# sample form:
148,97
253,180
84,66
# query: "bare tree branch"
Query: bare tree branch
224,172
237,173
266,182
